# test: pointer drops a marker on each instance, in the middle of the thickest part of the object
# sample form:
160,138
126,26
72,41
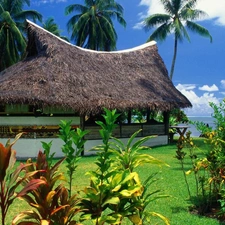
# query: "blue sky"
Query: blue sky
200,67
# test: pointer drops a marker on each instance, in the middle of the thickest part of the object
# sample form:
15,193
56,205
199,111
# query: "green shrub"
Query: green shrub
115,190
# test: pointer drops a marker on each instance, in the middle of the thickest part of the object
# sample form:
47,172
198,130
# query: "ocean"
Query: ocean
205,119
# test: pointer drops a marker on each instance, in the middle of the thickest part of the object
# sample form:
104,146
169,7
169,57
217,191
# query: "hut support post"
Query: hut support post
166,122
82,119
129,117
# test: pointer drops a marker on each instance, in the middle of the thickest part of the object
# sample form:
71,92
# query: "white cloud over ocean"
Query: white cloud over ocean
214,9
200,103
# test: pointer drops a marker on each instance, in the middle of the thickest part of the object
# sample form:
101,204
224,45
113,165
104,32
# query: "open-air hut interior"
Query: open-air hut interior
58,80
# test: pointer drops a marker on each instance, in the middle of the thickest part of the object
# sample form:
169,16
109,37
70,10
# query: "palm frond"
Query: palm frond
97,33
198,29
161,32
180,31
28,14
156,20
176,6
190,4
192,14
75,7
168,7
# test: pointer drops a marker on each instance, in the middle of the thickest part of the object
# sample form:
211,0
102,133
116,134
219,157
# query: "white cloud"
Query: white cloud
49,1
187,86
223,93
208,88
215,9
200,103
222,83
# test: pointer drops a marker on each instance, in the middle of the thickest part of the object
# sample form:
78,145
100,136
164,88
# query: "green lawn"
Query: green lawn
170,182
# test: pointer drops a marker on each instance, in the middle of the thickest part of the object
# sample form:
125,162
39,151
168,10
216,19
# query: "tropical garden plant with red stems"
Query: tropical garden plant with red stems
10,179
50,201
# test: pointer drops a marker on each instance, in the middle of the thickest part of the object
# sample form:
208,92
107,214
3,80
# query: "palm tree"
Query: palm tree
12,27
52,27
92,27
181,14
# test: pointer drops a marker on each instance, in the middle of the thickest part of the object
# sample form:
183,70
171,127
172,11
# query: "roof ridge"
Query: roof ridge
140,47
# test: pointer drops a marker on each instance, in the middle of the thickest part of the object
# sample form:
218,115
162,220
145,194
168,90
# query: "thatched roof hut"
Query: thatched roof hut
56,73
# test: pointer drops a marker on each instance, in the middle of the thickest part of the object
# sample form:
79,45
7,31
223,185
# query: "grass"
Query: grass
170,181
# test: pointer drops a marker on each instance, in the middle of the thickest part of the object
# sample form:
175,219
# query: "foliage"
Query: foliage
51,201
72,148
139,116
115,190
202,127
174,208
179,116
92,26
52,27
180,15
219,116
47,150
12,27
209,170
11,180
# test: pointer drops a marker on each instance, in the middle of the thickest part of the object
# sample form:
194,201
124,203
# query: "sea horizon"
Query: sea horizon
205,119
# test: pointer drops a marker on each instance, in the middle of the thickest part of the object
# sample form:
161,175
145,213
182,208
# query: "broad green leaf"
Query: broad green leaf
165,220
135,219
132,138
113,201
117,188
141,141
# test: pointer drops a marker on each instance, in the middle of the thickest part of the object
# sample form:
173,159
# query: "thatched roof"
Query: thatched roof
56,73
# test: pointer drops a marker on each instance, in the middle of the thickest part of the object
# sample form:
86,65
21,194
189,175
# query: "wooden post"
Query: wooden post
82,119
129,117
148,115
166,123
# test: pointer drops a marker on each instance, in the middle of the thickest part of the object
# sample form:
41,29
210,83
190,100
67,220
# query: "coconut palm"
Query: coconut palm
12,42
12,27
180,15
92,25
52,27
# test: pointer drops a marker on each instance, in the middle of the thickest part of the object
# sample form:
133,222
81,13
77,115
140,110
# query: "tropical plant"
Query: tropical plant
72,148
92,26
208,170
10,178
51,202
12,27
47,151
115,189
180,14
52,27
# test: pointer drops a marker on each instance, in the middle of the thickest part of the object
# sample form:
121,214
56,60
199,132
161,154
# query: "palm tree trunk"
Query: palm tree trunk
174,59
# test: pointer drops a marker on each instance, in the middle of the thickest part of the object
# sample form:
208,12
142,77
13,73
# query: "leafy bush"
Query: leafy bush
115,190
208,169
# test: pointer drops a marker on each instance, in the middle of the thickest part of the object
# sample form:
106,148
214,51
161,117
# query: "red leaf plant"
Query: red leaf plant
50,201
10,178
